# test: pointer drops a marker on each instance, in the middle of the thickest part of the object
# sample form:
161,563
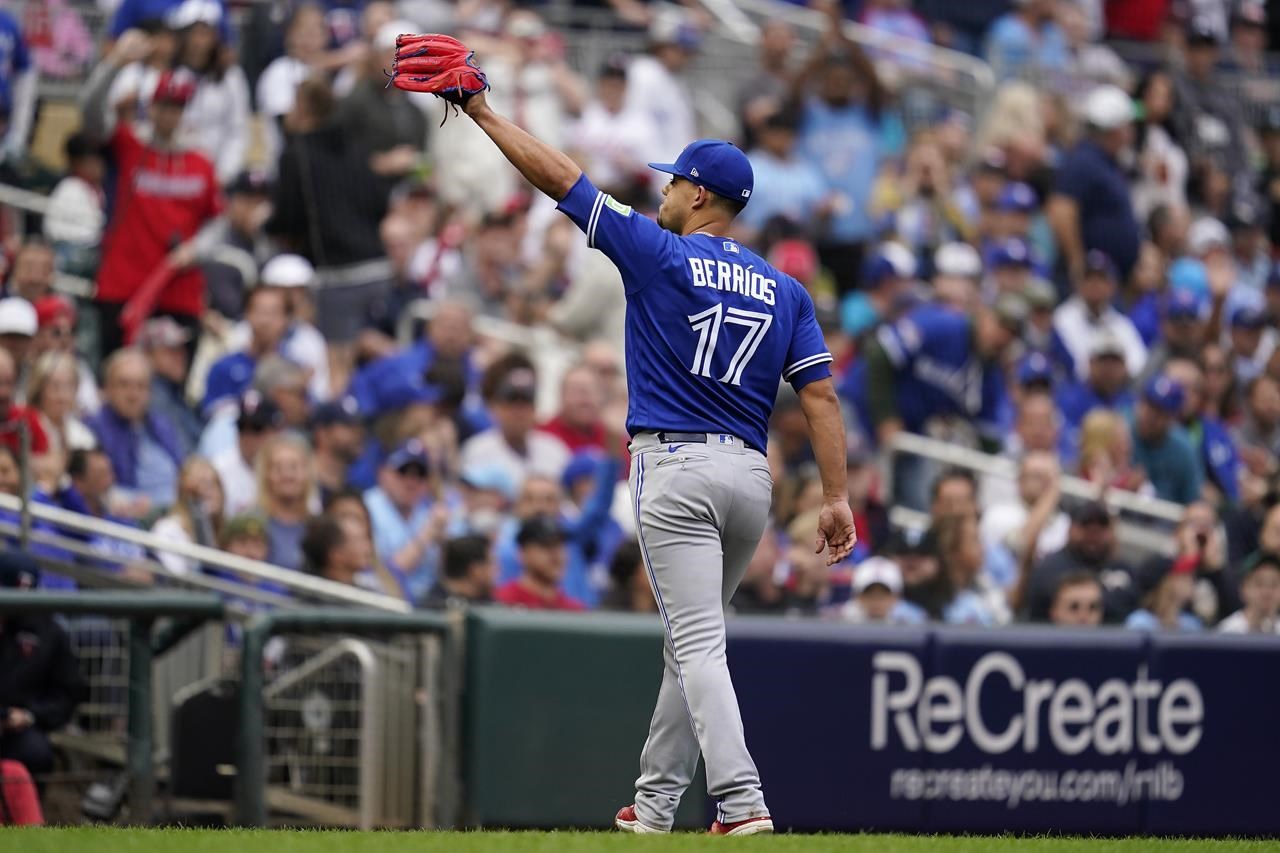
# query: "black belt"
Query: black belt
695,438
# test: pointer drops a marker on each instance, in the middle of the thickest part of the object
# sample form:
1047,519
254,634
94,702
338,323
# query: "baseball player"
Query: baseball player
711,330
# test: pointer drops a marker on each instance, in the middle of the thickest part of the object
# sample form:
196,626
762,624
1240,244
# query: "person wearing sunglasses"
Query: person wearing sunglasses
1077,602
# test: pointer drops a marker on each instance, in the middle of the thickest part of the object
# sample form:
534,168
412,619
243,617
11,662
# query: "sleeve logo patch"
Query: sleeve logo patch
617,206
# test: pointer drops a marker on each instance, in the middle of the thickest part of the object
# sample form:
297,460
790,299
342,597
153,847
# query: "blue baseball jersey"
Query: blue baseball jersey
711,328
937,373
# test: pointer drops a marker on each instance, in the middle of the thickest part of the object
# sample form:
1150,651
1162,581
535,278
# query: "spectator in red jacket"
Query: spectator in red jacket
543,558
578,423
164,195
12,415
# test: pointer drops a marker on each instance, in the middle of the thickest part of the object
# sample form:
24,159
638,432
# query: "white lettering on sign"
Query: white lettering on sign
1116,717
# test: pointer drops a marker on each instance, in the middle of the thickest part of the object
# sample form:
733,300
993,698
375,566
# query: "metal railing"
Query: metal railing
1143,519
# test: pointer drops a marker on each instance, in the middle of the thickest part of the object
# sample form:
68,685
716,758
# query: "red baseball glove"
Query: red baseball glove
438,64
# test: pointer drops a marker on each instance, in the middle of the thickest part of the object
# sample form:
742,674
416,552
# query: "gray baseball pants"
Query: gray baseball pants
700,511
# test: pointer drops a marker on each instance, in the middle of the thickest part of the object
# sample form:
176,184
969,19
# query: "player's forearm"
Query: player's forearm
551,171
826,434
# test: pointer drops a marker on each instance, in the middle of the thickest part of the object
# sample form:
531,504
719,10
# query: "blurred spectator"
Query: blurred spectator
1221,396
326,207
629,590
11,414
579,424
337,440
509,388
847,130
1162,178
528,67
306,36
1004,524
382,119
134,13
1106,453
1167,587
760,592
1208,114
1258,436
56,333
245,536
894,17
1037,425
1160,448
917,204
615,138
1090,207
972,597
18,325
91,490
195,517
467,573
347,507
1089,63
17,90
286,495
227,275
142,444
543,558
1077,602
1105,386
34,266
40,680
877,590
1260,594
487,492
408,521
267,316
293,277
1252,342
165,344
957,269
808,578
1092,311
1215,450
1091,547
1182,333
786,184
330,552
768,89
257,422
163,196
51,392
654,88
886,277
1027,41
217,119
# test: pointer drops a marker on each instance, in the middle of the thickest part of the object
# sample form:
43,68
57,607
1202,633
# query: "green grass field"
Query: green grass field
94,840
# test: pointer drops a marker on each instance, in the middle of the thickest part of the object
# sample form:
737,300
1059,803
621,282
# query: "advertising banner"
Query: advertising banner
951,730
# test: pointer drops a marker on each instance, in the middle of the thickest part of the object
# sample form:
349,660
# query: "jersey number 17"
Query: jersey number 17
708,325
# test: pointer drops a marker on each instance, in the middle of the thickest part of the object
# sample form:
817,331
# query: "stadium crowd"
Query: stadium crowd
1080,279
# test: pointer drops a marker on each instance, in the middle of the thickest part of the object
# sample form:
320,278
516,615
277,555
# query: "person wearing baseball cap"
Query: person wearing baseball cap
1091,309
1090,205
785,183
1106,384
877,590
1252,341
1015,207
1165,587
337,442
154,221
240,228
510,389
166,344
1010,265
957,270
886,274
257,420
1159,448
18,327
543,559
1259,597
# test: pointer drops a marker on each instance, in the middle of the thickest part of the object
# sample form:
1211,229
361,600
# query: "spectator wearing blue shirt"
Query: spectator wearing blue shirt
1215,449
91,483
165,343
1090,207
847,131
17,88
786,185
408,523
1105,387
286,497
266,312
142,445
1168,587
1160,447
1027,42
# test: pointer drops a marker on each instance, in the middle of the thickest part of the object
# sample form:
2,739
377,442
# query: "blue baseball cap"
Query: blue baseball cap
1014,252
1186,305
1035,368
1248,317
889,260
1099,262
1017,197
715,164
412,452
1164,394
1189,274
585,463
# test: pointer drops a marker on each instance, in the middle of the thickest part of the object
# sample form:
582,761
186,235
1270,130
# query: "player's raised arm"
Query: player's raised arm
446,68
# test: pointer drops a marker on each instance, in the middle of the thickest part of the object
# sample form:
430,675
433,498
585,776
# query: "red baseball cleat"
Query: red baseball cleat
750,826
628,822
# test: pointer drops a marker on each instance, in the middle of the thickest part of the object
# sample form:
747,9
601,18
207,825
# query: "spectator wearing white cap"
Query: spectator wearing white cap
302,344
216,120
877,590
18,325
1090,206
957,270
1091,311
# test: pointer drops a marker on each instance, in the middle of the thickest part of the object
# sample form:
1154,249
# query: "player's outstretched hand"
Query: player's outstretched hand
836,532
